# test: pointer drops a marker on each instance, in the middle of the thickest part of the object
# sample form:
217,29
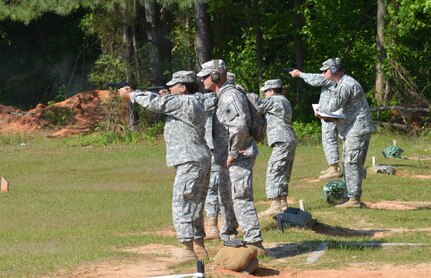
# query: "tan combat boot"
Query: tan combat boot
200,250
351,203
325,171
332,172
261,251
274,209
212,229
187,254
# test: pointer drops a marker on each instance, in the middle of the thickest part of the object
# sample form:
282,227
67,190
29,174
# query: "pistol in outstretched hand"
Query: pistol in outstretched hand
288,69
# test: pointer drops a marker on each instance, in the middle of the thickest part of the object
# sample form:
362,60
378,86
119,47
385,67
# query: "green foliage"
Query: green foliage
16,139
58,116
115,117
107,69
407,47
311,130
183,37
38,51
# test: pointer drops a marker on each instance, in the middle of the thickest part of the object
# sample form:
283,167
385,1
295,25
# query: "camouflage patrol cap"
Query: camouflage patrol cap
182,76
210,66
332,62
271,84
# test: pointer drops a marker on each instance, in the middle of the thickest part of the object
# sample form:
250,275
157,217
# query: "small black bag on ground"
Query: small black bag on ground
294,217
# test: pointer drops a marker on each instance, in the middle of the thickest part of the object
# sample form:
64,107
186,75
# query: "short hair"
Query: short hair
278,90
191,87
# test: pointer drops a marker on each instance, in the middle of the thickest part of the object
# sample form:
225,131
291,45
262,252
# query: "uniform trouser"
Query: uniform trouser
188,200
355,150
279,169
241,176
229,224
212,203
330,142
133,117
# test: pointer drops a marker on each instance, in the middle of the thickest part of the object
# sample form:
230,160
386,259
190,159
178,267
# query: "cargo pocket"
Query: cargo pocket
241,186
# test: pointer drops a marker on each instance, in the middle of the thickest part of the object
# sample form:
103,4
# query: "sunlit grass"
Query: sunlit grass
71,203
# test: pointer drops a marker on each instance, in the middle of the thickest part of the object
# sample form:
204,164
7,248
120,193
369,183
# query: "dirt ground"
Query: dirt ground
158,260
86,108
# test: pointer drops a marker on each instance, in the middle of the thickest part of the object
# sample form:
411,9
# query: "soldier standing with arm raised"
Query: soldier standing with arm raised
187,151
329,128
355,130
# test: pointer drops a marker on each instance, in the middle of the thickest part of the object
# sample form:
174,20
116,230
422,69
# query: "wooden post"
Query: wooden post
4,185
301,205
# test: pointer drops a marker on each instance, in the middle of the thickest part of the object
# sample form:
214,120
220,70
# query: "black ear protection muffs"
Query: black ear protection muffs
333,68
215,74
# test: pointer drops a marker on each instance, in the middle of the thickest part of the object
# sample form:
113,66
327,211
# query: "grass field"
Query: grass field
70,204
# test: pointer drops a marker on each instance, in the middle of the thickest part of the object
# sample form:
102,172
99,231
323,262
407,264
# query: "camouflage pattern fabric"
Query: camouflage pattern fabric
186,149
184,130
188,200
212,203
355,130
241,176
355,150
279,169
349,96
329,132
229,223
231,136
282,138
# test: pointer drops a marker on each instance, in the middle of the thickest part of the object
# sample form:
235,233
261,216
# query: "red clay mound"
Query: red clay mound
86,108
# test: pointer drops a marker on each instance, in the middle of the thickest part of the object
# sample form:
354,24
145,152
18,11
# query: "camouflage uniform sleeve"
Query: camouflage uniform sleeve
316,80
267,104
165,104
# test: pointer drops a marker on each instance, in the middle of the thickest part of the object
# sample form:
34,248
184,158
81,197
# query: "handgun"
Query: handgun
288,69
234,243
156,89
117,85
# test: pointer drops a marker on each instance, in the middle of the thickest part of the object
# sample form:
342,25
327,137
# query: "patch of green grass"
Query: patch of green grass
73,201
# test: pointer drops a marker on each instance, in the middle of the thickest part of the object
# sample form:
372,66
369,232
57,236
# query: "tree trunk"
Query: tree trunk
381,89
165,20
203,36
258,35
135,50
299,60
126,49
153,32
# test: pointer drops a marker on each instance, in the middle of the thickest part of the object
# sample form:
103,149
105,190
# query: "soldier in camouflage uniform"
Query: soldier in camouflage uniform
187,151
281,138
329,128
355,130
212,202
235,152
